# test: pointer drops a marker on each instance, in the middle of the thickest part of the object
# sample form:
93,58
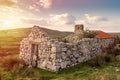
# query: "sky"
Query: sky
61,14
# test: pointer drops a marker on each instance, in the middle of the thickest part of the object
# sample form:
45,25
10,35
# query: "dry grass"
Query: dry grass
11,62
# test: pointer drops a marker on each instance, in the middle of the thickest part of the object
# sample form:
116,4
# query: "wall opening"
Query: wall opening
34,49
34,54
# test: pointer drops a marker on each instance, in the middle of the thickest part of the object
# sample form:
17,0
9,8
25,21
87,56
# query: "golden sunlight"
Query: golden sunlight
8,23
8,20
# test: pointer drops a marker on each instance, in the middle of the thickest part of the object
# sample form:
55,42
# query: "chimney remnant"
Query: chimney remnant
79,29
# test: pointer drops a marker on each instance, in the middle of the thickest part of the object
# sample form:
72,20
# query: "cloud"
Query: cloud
34,7
8,3
93,19
67,20
45,3
62,19
89,19
93,22
37,4
40,21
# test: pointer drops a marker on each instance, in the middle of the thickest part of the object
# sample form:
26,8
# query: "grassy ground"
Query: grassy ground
11,68
109,71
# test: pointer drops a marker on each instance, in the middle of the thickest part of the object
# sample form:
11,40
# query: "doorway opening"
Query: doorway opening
34,54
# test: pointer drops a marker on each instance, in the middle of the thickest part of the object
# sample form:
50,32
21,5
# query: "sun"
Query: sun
6,22
10,23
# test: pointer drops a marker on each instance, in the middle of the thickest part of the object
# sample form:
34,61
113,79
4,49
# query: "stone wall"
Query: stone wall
70,54
54,55
46,56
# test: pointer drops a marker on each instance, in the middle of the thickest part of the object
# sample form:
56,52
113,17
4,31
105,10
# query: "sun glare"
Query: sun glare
10,23
6,22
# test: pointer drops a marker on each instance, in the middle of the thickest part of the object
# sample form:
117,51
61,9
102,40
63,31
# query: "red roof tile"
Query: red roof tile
101,34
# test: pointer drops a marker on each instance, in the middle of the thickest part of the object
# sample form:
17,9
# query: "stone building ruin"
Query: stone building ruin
38,49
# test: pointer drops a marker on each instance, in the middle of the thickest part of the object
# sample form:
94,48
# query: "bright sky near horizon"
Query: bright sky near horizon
61,14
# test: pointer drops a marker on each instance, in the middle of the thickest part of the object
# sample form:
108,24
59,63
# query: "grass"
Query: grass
12,69
83,71
80,72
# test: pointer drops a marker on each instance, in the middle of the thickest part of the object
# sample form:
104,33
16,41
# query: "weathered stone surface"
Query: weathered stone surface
53,55
53,49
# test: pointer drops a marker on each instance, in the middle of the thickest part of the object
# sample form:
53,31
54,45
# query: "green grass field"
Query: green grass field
10,68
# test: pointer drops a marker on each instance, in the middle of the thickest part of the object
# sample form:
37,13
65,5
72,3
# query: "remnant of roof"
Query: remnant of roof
101,34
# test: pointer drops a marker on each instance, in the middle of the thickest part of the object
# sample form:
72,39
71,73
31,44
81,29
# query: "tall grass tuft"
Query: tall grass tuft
10,63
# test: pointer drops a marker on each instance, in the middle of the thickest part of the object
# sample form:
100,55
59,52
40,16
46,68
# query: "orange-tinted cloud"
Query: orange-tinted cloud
7,3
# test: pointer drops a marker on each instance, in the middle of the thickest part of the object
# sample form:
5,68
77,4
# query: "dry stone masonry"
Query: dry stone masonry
39,50
77,35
